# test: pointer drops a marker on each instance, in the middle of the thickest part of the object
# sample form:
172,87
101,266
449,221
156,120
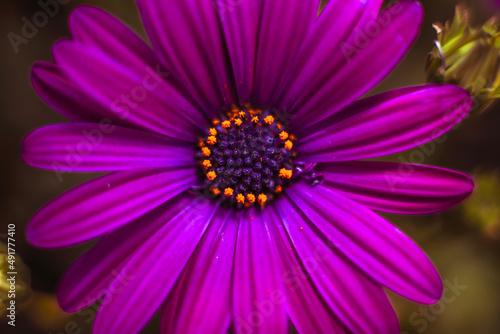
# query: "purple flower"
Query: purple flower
237,198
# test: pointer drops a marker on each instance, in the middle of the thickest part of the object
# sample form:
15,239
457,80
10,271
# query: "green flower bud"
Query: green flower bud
468,57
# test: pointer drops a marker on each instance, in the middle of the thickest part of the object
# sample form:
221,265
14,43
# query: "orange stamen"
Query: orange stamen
207,163
288,145
226,124
228,192
205,151
251,198
212,132
211,175
240,198
262,199
211,140
269,119
285,173
283,135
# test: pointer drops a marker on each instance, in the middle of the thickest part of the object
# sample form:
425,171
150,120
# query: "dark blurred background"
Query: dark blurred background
464,243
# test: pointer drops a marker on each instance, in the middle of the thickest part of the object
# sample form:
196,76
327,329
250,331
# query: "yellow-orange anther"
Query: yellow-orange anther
285,173
269,119
238,121
262,199
251,198
283,135
211,140
216,121
279,189
211,175
255,119
240,198
228,192
215,191
242,114
207,163
288,145
205,151
226,124
212,132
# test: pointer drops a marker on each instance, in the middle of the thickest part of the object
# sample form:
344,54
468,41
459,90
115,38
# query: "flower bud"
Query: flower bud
468,57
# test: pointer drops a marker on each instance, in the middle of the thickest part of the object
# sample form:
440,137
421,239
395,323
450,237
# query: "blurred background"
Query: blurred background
464,242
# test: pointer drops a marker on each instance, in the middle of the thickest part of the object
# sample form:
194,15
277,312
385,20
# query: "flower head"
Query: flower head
237,198
468,57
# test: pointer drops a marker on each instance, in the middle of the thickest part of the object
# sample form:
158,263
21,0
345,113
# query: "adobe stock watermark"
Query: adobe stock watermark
48,9
121,108
427,314
363,36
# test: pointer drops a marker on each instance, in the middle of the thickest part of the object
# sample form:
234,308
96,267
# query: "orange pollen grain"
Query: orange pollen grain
283,135
262,199
226,124
211,175
215,191
207,163
251,198
269,119
216,121
212,132
211,140
205,151
288,145
240,198
255,119
238,122
279,189
242,114
228,192
285,173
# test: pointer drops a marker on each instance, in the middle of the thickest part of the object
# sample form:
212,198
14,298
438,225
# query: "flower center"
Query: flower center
246,157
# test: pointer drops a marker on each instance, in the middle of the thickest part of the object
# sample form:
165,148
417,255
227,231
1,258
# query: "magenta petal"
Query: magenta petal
354,71
104,204
257,279
102,147
284,25
386,123
306,307
152,271
331,29
201,300
358,302
397,187
188,39
135,95
240,21
110,36
91,276
372,243
51,84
